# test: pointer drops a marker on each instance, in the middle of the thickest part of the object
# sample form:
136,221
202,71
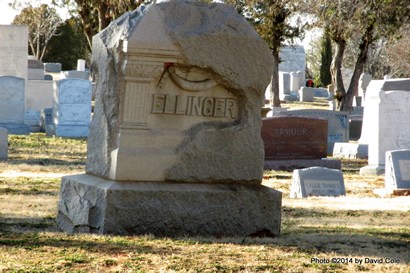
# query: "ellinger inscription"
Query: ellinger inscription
194,106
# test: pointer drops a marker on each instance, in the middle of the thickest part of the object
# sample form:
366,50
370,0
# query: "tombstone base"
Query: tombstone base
95,205
385,192
71,130
372,170
293,164
350,150
16,128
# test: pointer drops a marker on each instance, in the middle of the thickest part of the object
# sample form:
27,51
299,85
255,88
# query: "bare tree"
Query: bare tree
43,23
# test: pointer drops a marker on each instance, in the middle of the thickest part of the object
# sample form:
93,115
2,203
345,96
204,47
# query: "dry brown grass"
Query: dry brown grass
357,226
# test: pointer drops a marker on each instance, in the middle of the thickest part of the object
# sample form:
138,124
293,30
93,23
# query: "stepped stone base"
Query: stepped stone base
92,204
372,170
293,164
16,128
385,192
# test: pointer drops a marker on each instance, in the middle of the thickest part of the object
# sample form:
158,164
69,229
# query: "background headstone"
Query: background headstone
386,121
293,58
397,169
72,107
317,181
12,108
284,85
338,123
4,133
35,69
13,50
294,138
364,82
306,94
52,67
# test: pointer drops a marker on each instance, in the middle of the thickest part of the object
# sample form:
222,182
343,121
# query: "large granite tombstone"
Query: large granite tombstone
294,138
317,181
13,50
72,108
338,123
175,145
12,106
386,121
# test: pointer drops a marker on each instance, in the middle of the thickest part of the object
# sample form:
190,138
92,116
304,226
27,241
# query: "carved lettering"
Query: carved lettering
290,131
194,106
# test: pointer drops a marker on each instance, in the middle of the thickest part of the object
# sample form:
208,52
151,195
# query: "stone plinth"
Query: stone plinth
350,150
293,164
96,205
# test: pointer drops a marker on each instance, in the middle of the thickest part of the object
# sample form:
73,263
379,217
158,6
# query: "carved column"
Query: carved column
139,77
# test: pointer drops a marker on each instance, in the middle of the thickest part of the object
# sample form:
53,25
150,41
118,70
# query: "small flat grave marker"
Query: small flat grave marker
317,181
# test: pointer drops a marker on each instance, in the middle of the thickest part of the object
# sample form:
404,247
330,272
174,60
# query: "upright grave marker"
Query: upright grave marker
12,104
13,51
338,123
72,107
175,145
4,134
317,181
386,121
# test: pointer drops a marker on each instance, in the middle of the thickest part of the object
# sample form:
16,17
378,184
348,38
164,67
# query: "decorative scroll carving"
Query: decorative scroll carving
192,79
140,70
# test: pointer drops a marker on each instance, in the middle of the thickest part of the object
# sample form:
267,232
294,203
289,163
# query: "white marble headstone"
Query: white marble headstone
397,169
13,50
386,121
72,107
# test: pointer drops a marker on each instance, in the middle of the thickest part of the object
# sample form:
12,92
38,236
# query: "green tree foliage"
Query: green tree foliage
96,15
271,20
69,46
43,23
326,60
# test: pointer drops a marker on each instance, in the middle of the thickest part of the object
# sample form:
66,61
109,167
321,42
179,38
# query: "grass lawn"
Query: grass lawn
356,233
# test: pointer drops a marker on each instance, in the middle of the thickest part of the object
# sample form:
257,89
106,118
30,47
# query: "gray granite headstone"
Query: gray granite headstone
397,174
52,67
317,181
3,143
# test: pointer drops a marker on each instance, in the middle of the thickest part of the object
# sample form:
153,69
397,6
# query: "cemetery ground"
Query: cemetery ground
357,233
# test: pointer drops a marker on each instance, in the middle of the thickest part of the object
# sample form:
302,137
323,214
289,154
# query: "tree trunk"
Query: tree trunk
337,71
274,92
347,101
